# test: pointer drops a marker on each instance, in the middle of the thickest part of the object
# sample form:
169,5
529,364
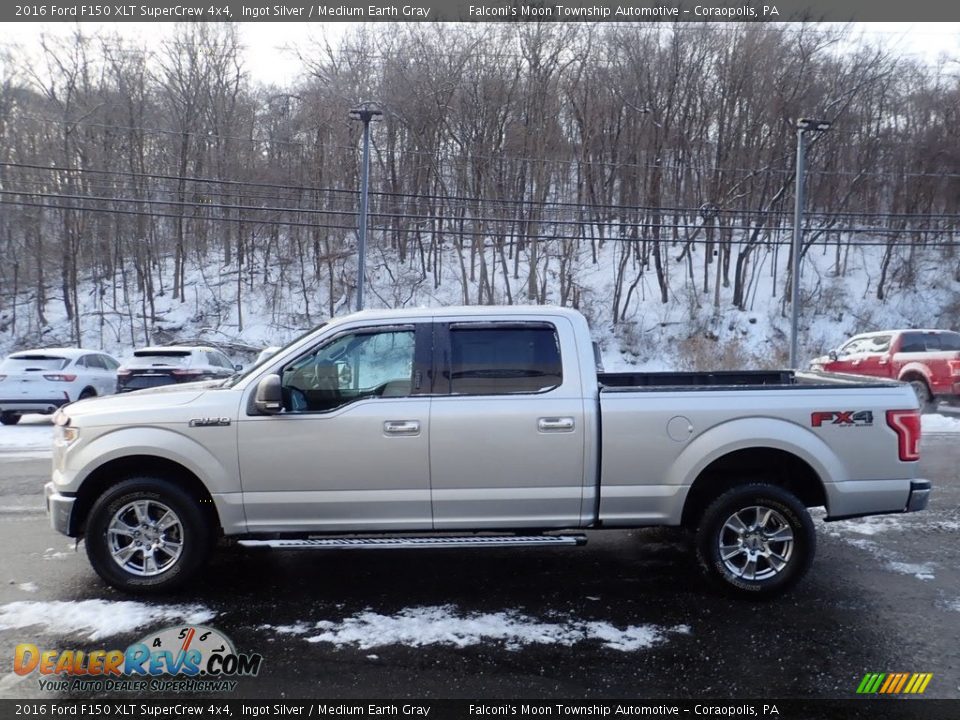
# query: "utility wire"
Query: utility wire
454,231
484,202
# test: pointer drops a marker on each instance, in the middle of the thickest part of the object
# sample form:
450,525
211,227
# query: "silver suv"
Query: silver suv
154,366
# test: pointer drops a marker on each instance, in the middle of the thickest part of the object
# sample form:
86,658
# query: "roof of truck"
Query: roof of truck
460,310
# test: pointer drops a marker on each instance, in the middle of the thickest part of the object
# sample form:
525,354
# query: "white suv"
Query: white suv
40,381
166,365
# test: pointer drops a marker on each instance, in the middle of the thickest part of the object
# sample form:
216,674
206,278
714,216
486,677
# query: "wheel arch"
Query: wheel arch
753,464
915,371
119,469
761,445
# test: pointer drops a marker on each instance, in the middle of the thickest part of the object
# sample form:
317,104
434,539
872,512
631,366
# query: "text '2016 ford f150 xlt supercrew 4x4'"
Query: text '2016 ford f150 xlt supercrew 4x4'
476,427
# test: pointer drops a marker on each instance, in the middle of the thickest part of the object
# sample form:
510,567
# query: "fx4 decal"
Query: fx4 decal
844,418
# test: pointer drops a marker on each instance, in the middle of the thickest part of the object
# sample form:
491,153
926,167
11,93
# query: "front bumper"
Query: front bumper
60,509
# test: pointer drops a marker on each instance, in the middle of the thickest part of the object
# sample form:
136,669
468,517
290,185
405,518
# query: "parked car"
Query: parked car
40,381
477,427
166,365
927,359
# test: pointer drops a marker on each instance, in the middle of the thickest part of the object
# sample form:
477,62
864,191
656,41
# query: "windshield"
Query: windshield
22,363
234,379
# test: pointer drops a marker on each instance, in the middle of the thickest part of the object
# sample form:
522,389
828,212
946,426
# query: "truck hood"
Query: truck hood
165,396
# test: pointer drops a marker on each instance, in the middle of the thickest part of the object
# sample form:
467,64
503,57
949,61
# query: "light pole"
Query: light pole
804,125
365,113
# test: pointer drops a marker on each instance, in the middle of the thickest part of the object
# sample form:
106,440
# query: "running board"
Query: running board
411,543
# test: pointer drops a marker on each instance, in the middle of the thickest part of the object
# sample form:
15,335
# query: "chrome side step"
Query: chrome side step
411,543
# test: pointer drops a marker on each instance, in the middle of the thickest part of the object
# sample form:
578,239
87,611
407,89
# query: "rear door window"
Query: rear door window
92,361
502,359
950,341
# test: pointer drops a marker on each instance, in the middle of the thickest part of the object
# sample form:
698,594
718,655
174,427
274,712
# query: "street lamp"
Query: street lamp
364,113
804,125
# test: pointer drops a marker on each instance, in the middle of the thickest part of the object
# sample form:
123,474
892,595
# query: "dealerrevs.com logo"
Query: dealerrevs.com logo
191,658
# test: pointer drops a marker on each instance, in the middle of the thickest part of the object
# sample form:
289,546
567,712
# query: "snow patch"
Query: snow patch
27,440
866,526
921,571
444,625
28,587
939,424
96,619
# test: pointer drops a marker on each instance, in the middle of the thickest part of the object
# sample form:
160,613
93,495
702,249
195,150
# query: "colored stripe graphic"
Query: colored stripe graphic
894,683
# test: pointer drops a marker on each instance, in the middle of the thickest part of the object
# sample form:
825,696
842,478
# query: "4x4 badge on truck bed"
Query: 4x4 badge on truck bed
210,422
848,418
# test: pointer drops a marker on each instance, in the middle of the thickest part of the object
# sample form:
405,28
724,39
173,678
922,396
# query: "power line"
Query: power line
478,201
426,229
508,159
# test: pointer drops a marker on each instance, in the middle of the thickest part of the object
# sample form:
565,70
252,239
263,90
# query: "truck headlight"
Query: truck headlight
64,435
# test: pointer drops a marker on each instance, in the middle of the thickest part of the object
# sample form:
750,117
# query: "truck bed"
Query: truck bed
732,380
696,379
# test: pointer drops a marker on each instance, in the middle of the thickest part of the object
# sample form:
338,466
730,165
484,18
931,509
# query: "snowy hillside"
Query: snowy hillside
687,332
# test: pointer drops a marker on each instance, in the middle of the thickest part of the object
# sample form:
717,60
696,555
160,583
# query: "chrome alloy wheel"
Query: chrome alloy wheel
145,538
756,543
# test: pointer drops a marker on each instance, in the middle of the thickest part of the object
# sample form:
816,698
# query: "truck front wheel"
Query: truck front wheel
756,540
146,534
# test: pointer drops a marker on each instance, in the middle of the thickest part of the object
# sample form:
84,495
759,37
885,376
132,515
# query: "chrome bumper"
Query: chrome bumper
919,495
59,508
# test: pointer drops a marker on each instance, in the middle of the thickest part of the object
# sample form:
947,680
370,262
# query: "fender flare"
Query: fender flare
757,433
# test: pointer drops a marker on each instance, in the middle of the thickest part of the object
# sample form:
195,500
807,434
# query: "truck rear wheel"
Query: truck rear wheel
924,396
756,540
145,535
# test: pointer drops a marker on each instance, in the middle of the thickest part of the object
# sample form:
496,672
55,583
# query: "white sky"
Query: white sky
270,59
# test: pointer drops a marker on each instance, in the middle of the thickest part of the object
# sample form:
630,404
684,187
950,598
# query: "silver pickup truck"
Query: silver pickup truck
476,427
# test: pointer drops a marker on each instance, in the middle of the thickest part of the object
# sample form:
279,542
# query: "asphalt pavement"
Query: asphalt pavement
628,615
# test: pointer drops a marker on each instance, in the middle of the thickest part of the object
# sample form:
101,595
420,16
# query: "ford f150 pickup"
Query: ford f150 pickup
476,427
927,359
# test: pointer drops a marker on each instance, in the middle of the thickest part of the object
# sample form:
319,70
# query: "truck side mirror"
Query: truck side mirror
832,355
269,398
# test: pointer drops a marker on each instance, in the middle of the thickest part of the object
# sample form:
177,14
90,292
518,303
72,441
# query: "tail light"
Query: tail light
187,373
60,377
906,424
954,367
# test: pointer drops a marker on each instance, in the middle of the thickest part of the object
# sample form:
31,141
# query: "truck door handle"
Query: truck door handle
402,427
555,424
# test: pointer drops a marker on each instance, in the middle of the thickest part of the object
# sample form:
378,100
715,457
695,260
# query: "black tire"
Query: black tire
9,418
87,393
927,402
154,495
777,564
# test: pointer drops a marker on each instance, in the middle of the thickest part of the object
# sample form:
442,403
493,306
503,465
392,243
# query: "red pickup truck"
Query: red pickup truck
927,359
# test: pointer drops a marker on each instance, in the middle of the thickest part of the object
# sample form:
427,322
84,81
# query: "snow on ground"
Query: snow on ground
96,619
445,625
940,423
31,438
921,571
28,587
